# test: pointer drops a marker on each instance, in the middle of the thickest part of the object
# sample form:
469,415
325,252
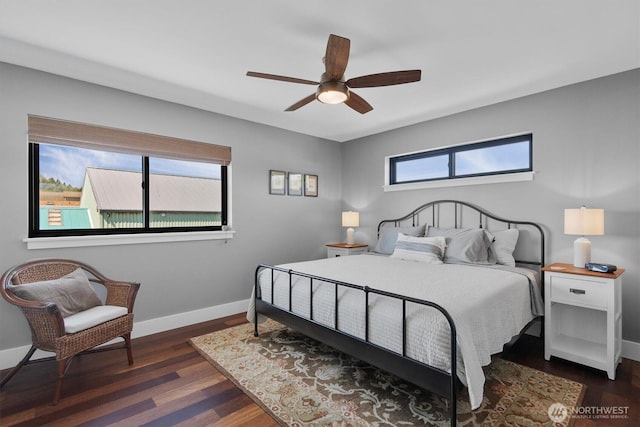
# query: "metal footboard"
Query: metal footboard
431,378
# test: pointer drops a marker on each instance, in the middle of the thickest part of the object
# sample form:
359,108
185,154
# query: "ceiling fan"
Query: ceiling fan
333,89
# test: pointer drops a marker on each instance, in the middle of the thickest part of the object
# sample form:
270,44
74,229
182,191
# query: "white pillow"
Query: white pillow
424,249
504,243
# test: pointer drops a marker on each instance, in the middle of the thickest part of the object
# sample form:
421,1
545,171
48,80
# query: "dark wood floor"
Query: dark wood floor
170,384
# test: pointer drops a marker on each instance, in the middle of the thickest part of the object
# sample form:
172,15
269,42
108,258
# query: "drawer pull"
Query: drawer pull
577,291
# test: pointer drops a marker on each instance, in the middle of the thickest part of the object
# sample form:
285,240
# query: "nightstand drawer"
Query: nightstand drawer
334,252
585,293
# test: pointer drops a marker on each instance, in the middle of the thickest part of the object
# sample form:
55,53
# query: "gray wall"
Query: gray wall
586,152
572,127
184,276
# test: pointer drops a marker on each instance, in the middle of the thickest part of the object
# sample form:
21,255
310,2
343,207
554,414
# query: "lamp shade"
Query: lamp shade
584,222
351,219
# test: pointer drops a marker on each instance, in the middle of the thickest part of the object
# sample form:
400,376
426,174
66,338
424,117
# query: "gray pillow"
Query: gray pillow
71,293
504,243
464,245
388,236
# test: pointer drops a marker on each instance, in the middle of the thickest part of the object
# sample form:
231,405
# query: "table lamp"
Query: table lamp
350,219
583,222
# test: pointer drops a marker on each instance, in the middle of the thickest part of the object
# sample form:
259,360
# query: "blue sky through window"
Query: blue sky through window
68,164
424,168
492,159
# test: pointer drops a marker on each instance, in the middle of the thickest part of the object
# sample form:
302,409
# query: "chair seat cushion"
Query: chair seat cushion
92,317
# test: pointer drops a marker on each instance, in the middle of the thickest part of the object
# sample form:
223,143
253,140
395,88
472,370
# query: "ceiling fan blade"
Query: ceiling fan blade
302,102
281,78
336,57
358,103
385,79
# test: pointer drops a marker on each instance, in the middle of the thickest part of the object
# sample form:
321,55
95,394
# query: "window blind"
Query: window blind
62,132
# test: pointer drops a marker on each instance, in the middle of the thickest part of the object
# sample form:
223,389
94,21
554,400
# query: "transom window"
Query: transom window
499,156
91,180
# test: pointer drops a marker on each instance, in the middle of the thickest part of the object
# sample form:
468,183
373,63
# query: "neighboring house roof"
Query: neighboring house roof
63,217
121,191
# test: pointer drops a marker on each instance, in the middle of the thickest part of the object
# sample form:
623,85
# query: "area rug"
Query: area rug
302,382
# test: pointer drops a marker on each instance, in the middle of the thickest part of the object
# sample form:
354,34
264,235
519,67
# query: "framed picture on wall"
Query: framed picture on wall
277,180
294,184
311,185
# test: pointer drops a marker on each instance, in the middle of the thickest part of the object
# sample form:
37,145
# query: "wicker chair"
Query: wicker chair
48,325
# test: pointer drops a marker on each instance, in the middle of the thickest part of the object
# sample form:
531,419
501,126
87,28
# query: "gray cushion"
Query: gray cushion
71,293
388,236
464,245
504,243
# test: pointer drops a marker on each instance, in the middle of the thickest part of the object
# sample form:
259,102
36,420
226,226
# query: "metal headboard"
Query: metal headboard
459,214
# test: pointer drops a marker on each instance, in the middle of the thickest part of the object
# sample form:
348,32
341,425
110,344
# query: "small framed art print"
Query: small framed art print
294,184
311,185
277,180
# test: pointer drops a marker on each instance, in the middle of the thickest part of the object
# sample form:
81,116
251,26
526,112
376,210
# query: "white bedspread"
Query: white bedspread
488,305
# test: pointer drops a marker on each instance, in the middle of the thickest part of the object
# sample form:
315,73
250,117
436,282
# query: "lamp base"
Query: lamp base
350,236
581,252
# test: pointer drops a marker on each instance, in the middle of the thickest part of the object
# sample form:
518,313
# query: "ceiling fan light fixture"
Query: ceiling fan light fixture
332,92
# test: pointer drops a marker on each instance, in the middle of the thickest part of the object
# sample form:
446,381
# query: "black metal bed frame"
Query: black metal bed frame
445,384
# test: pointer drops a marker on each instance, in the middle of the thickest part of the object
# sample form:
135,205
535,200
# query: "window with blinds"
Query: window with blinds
94,180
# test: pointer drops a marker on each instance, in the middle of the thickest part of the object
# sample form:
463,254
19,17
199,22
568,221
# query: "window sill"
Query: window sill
124,239
476,180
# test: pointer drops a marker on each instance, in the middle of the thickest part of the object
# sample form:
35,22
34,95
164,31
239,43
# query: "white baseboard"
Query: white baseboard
631,350
10,357
161,324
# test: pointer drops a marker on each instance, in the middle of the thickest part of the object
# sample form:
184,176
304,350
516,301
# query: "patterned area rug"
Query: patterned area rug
302,382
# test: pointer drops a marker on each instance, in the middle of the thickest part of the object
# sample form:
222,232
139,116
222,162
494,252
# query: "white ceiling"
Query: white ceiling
196,52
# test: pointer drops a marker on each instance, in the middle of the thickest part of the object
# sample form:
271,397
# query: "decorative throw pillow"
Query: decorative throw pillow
504,243
388,236
71,293
423,249
464,245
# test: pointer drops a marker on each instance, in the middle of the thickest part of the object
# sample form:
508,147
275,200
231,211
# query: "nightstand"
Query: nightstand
345,249
583,316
